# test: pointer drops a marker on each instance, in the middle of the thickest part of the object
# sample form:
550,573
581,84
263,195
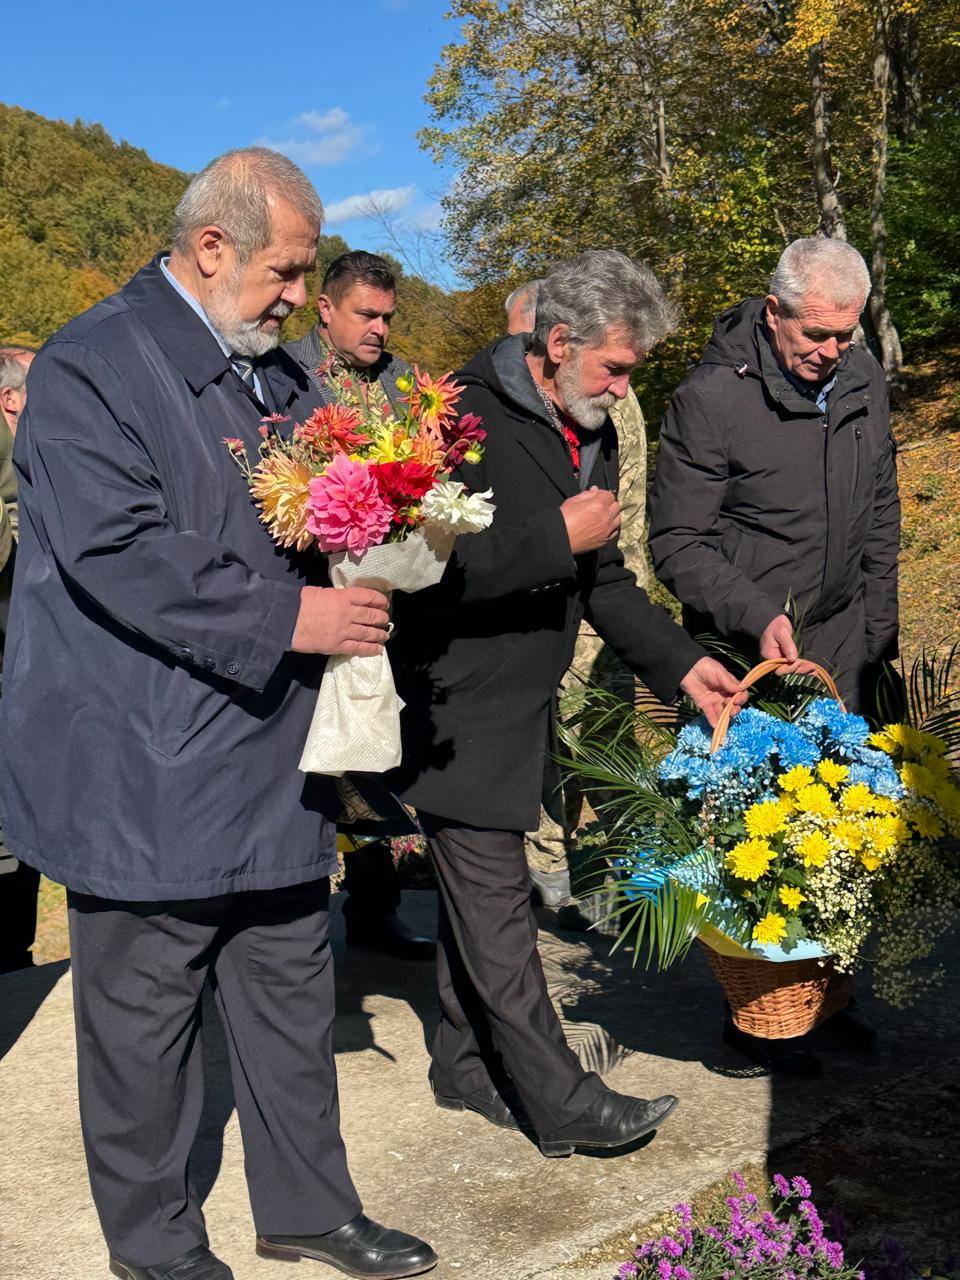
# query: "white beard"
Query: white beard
245,337
589,412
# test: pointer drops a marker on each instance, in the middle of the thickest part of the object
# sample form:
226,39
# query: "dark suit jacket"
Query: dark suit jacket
152,718
478,659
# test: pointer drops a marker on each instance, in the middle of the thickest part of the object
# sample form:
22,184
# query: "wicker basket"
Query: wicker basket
777,1000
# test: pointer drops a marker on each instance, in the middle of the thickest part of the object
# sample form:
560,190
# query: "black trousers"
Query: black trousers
496,1017
139,969
371,882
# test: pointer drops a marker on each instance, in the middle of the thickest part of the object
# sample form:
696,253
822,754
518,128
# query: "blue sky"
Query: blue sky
336,85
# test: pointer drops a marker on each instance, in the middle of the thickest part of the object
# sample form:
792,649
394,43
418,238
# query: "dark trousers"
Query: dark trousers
371,881
139,969
18,917
496,1017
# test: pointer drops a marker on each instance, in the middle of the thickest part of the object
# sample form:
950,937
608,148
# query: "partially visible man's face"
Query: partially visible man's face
811,343
250,303
592,379
359,324
12,399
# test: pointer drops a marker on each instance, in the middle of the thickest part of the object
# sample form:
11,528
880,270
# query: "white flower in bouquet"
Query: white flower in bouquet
449,506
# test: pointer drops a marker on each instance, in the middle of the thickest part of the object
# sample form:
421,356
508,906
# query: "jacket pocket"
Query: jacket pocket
182,710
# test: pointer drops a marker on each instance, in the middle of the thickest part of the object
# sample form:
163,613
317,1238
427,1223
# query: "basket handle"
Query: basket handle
757,673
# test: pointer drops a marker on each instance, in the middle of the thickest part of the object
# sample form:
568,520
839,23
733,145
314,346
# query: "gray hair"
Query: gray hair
526,295
817,264
600,290
13,371
233,193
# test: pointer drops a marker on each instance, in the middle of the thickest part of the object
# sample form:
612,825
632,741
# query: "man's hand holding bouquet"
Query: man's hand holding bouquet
369,486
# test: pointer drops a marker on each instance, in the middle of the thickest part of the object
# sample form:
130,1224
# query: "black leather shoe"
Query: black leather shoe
612,1120
390,936
361,1248
195,1264
785,1057
844,1031
551,887
485,1102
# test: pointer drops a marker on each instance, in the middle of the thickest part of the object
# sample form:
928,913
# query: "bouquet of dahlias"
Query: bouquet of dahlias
794,839
370,487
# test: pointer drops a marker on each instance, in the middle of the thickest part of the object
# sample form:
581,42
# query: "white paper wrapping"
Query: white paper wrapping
356,722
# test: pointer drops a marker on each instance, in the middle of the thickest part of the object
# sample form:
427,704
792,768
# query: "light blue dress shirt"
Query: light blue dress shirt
194,305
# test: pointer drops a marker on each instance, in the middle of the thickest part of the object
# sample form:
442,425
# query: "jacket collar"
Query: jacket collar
186,340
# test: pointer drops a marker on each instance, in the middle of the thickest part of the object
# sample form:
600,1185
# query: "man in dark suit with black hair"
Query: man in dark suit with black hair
161,676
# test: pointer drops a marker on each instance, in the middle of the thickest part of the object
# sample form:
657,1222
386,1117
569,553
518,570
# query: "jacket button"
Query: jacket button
209,663
233,667
186,653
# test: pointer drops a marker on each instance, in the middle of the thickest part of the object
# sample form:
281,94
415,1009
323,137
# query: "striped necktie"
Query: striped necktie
244,368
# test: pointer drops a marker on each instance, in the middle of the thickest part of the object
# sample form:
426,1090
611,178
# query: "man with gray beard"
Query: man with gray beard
478,661
163,667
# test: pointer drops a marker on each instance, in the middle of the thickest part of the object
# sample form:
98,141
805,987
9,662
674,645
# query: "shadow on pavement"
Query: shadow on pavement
21,995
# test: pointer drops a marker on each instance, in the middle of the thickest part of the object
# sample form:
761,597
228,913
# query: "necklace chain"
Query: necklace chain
550,407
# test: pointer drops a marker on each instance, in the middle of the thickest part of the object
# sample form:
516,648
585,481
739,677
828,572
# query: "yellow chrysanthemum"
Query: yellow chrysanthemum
857,799
919,779
832,773
799,776
947,797
814,849
882,833
870,861
816,801
750,859
791,898
849,834
765,818
280,487
926,822
937,766
883,742
770,929
883,804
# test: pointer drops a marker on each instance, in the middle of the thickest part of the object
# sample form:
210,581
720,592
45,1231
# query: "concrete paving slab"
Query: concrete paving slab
486,1199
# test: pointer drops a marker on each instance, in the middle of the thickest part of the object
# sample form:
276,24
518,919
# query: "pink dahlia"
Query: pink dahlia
345,511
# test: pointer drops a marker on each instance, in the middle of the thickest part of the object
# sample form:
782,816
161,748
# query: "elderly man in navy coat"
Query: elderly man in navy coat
161,675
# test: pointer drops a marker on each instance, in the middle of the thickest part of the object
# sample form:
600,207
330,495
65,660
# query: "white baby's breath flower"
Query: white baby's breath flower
450,507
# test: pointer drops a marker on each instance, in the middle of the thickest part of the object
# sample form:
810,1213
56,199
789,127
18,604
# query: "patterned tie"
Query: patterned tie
244,367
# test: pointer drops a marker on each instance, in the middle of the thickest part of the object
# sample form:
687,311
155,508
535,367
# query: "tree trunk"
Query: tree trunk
888,340
832,222
903,44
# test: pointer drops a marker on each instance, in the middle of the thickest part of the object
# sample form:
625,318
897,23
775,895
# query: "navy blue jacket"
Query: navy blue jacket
152,718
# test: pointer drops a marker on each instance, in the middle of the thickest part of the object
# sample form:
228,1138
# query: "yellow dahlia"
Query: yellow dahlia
280,487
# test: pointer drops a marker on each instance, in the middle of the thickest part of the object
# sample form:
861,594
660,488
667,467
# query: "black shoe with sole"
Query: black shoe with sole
485,1102
785,1057
612,1120
361,1248
390,936
195,1264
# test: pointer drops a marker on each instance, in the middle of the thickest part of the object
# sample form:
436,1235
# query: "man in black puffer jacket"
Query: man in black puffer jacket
775,501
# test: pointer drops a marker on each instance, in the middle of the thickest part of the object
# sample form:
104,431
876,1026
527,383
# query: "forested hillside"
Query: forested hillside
80,213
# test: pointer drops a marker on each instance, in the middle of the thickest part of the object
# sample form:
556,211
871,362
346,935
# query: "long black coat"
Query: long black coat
478,659
152,719
760,499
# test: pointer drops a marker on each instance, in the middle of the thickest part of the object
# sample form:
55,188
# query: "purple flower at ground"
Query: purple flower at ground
750,1200
645,1250
664,1269
681,1273
738,1180
804,1251
781,1185
802,1187
684,1212
671,1247
714,1233
627,1270
833,1252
